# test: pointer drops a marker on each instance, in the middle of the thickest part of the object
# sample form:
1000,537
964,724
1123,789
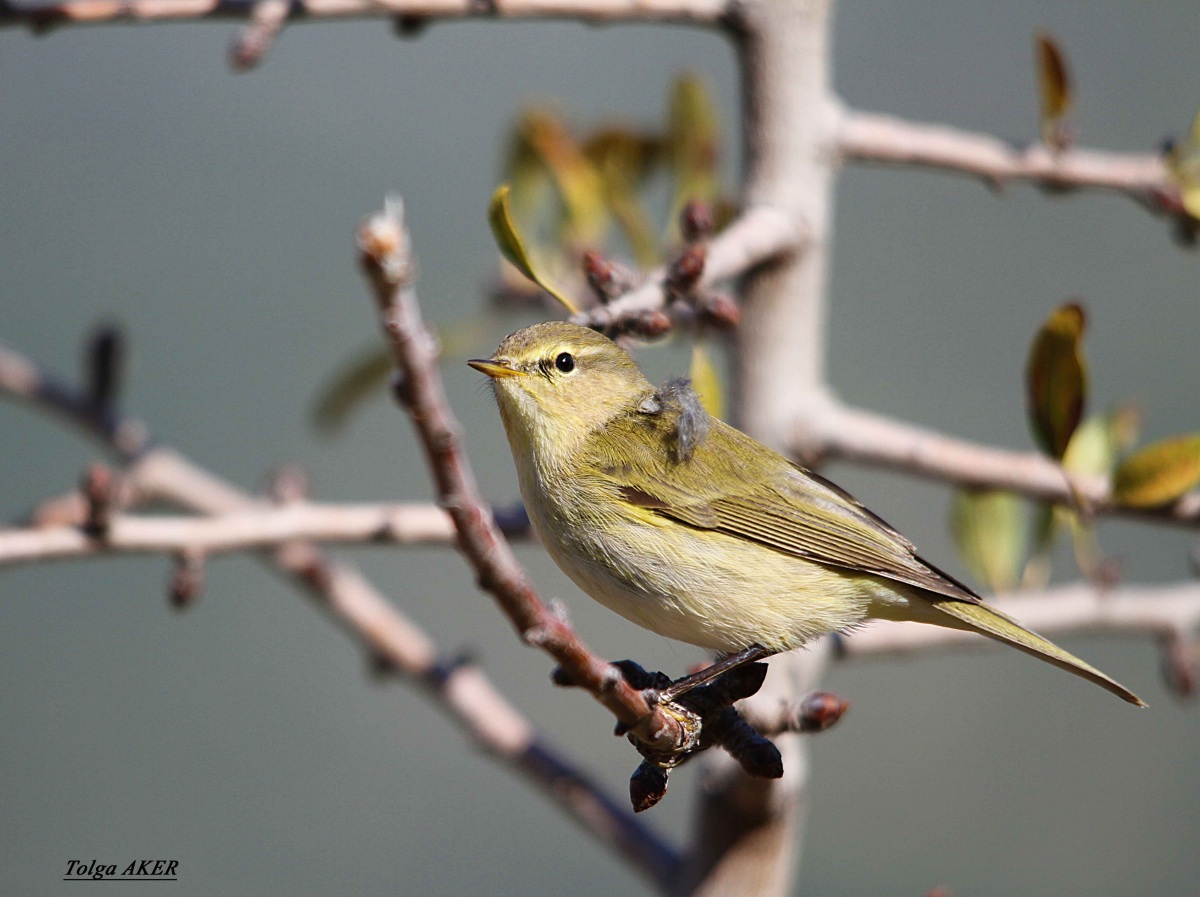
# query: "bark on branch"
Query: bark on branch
825,428
260,526
97,12
867,137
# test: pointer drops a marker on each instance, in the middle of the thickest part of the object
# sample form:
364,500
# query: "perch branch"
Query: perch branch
867,137
828,429
390,268
459,689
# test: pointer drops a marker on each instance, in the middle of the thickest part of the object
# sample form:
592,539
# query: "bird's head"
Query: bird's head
556,383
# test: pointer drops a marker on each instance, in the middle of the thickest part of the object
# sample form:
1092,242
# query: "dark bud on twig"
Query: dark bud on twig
608,279
696,221
105,356
819,710
380,667
409,26
738,684
317,574
99,487
685,271
562,678
648,324
752,750
647,786
401,390
719,310
639,677
440,672
188,579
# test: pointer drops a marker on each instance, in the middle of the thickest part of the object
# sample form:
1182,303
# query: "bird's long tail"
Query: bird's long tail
990,622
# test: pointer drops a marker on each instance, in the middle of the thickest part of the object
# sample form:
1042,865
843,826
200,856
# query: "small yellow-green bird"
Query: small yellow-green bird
694,530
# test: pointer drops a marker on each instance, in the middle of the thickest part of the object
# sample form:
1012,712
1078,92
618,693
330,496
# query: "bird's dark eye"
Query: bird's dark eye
565,362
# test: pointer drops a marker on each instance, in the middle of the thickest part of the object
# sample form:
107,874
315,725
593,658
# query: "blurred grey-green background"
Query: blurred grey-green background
212,214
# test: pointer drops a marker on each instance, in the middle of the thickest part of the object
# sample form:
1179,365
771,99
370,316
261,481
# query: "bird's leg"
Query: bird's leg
729,662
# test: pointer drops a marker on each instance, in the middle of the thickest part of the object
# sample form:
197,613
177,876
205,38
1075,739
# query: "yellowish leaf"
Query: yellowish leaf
1054,89
989,529
706,381
1056,378
1159,473
1183,162
1091,449
504,230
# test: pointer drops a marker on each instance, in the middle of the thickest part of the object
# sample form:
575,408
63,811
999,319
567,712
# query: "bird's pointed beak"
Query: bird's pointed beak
494,369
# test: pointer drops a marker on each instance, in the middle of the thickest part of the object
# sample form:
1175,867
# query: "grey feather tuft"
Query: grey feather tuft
691,427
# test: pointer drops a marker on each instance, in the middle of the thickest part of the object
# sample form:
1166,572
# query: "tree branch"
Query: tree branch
258,527
98,12
867,137
826,428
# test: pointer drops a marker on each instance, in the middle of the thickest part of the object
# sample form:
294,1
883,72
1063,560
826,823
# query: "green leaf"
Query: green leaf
1056,379
1054,90
357,380
504,230
989,530
1159,473
706,381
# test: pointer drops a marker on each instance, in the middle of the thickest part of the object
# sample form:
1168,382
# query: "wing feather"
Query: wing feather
734,485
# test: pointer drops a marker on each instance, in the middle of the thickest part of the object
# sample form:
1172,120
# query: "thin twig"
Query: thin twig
829,429
100,12
867,137
759,234
262,526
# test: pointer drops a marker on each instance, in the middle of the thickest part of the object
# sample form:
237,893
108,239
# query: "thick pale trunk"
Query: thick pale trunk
749,832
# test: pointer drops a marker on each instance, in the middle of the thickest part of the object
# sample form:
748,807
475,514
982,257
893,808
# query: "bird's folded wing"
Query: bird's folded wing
733,485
